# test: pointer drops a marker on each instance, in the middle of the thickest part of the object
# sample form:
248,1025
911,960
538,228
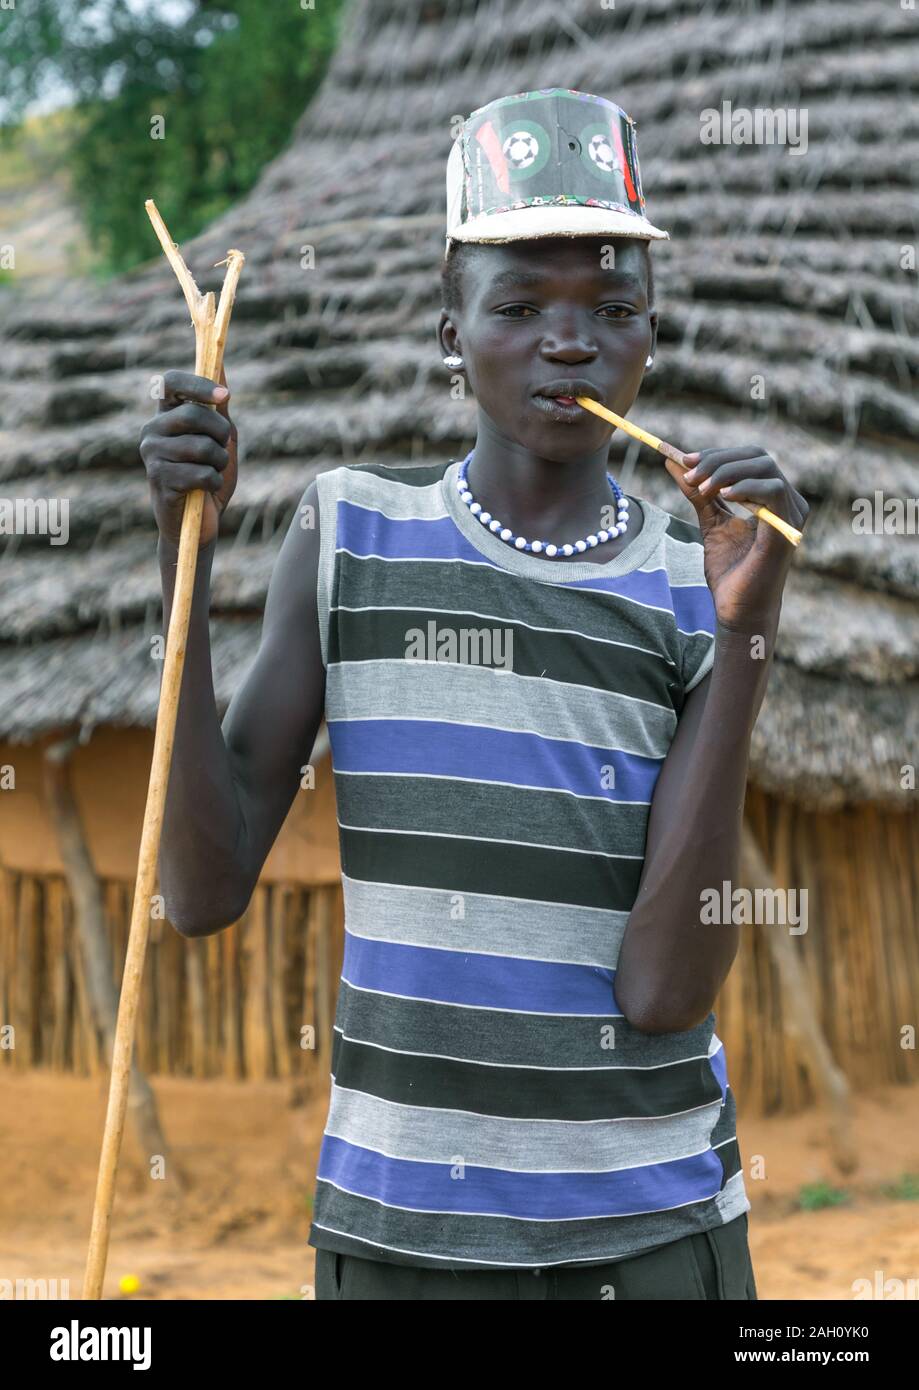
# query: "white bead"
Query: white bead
592,541
551,550
520,542
568,549
537,546
580,546
485,518
603,535
476,508
494,525
506,534
466,496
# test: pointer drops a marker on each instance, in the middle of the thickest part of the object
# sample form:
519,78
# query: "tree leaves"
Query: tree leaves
186,110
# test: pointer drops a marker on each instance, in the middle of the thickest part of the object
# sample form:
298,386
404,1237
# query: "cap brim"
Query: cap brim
521,224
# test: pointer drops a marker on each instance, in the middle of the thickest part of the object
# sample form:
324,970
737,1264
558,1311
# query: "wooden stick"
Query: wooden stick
210,338
676,456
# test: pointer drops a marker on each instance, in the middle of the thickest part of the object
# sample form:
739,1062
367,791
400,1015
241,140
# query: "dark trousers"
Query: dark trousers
710,1264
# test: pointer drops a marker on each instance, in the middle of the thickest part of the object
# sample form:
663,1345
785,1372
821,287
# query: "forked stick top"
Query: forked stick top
193,296
210,326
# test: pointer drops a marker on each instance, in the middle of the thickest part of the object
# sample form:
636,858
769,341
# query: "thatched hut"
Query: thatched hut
789,299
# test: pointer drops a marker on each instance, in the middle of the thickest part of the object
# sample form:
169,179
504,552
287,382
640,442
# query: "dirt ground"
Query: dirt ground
249,1152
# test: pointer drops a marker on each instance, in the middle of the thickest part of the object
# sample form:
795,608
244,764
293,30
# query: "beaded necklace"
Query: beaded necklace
504,533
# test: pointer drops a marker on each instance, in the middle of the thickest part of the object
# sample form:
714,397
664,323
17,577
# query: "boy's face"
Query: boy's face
543,313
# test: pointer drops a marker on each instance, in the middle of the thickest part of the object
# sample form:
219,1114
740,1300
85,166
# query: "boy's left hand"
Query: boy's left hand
746,559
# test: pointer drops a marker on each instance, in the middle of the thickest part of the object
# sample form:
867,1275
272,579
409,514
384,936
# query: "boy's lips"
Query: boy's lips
557,399
568,387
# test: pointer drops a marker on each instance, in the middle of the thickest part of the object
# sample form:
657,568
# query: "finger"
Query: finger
194,448
175,479
706,461
190,418
223,406
765,492
727,473
186,386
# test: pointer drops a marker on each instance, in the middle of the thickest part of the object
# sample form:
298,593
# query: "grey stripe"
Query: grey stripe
684,561
390,496
519,927
328,485
464,694
526,1146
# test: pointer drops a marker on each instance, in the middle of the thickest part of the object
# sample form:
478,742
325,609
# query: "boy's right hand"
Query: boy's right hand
187,446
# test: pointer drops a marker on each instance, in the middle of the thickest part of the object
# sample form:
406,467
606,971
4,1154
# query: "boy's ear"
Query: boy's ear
653,320
448,336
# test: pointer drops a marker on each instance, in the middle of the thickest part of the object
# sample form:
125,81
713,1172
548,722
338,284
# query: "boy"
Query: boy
540,729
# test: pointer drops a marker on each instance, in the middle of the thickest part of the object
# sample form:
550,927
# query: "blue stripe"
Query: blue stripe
498,1192
440,749
365,532
693,607
491,982
719,1067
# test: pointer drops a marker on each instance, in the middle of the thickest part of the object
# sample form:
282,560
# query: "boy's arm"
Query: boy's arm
671,965
231,786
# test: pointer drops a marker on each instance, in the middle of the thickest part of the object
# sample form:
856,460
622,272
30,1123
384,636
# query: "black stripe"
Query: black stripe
415,475
472,866
370,580
519,1093
445,805
683,531
514,1039
572,659
483,1238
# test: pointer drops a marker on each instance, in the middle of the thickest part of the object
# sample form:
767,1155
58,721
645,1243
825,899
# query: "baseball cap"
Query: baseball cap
553,162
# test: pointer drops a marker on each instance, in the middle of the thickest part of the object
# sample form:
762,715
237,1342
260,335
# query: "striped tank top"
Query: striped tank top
497,723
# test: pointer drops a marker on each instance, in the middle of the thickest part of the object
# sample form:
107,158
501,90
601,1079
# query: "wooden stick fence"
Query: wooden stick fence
232,1005
860,956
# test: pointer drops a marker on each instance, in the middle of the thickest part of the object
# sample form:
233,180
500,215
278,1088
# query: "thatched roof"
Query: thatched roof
784,266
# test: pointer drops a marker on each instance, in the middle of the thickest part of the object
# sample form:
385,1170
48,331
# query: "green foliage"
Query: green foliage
222,85
816,1195
905,1189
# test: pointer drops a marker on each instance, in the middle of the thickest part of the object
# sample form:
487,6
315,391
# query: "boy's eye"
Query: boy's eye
519,311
